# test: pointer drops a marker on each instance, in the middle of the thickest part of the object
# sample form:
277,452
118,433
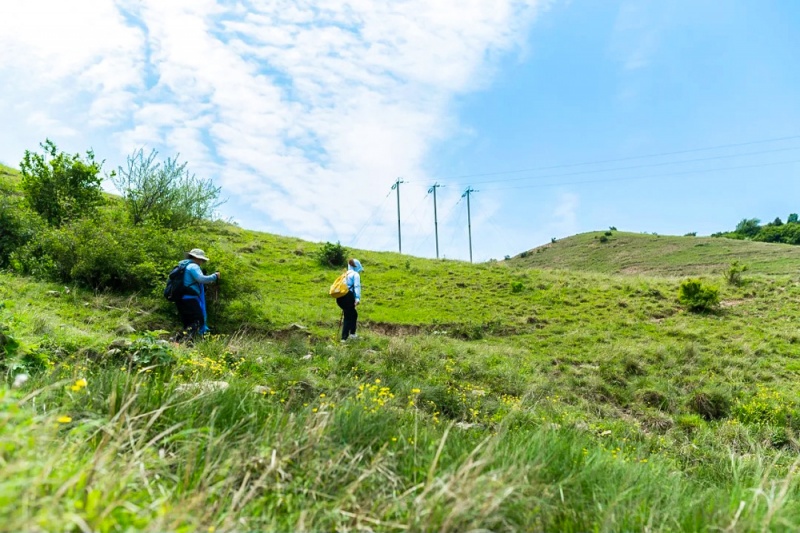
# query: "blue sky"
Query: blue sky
306,112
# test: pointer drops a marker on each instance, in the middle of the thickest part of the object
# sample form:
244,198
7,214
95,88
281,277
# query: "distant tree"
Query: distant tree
60,186
165,194
792,219
777,222
748,227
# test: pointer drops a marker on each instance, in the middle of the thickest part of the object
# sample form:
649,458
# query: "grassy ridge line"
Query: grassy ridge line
636,253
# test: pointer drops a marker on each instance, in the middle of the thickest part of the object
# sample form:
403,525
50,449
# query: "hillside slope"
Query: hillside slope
480,397
639,253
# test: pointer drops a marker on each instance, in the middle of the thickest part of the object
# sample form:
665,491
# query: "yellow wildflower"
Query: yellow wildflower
64,419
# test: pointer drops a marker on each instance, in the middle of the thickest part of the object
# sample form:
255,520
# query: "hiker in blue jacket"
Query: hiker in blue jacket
350,301
192,306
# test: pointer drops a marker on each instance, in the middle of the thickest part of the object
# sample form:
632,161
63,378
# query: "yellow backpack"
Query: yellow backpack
339,287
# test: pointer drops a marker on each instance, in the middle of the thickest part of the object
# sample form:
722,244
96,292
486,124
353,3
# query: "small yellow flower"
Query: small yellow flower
377,380
322,395
415,391
81,382
64,419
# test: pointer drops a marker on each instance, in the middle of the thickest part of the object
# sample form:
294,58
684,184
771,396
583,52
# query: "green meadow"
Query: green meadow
566,390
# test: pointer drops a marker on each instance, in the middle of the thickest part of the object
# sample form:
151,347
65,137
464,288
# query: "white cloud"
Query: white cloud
304,110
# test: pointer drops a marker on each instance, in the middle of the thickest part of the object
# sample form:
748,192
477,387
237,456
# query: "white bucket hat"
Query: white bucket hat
197,253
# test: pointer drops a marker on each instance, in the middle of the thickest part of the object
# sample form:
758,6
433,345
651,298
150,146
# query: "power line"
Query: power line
633,167
630,178
617,160
355,238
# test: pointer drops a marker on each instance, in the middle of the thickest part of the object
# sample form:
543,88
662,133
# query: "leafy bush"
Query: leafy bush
517,286
18,225
748,227
697,297
334,255
164,193
61,187
104,253
734,273
603,238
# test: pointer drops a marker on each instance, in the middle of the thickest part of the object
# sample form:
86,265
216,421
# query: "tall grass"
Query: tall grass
142,454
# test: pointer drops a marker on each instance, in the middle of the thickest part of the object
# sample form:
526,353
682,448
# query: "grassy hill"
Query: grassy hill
500,396
639,253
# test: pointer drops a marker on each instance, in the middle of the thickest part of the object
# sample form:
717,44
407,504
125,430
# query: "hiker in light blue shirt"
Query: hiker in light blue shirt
192,305
349,301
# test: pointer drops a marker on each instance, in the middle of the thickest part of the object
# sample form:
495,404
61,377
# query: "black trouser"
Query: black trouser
348,305
191,316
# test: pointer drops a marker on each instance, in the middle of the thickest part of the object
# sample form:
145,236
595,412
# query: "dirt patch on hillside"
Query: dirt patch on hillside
731,303
394,330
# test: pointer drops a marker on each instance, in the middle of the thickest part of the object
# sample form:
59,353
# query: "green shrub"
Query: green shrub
517,286
696,297
333,255
103,253
603,238
165,194
59,186
734,273
18,225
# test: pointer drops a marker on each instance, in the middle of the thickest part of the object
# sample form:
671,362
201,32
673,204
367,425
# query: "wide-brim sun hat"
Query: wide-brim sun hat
197,253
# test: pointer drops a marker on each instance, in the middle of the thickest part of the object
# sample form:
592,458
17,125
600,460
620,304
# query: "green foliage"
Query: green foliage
603,238
767,406
691,234
332,255
104,253
697,297
517,286
165,194
788,233
792,219
61,187
18,225
144,350
734,273
748,227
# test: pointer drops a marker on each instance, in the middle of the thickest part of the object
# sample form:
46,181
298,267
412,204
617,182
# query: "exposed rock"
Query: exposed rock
54,294
261,389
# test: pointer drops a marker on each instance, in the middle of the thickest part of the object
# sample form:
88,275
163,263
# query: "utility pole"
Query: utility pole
469,219
435,219
399,239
